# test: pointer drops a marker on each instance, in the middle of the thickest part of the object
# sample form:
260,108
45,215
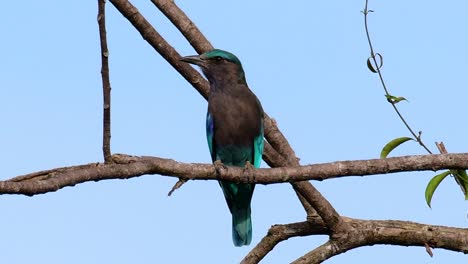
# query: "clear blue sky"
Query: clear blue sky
306,62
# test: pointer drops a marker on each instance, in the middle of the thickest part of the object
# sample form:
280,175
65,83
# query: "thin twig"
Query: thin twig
376,68
416,137
177,185
106,88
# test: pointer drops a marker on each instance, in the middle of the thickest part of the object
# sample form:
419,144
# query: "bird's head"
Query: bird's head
219,66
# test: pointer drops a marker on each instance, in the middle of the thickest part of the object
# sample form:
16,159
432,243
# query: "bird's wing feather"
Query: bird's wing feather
210,134
258,148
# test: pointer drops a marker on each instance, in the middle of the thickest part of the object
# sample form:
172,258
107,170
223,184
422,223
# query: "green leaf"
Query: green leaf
392,145
432,185
376,59
370,66
462,179
395,99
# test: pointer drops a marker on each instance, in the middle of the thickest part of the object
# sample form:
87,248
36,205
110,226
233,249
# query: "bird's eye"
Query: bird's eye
218,58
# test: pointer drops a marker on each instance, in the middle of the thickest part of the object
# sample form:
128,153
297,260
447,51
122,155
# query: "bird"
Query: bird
234,131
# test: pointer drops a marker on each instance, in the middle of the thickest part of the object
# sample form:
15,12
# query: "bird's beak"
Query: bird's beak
194,59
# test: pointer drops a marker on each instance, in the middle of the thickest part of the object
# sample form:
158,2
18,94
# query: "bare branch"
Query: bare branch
279,141
176,186
125,167
324,209
390,232
273,158
161,45
184,25
362,233
279,233
106,88
319,254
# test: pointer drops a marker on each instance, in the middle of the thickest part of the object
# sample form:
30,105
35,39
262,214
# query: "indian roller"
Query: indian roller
234,130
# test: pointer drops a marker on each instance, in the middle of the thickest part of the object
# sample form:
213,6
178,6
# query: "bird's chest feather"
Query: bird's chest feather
236,119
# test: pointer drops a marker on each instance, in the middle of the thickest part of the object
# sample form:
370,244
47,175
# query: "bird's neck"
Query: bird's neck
225,78
228,87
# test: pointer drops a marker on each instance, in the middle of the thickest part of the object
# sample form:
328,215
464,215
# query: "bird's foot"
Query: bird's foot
248,172
219,167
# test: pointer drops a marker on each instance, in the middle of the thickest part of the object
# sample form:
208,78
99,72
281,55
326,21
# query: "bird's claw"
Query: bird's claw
219,167
248,172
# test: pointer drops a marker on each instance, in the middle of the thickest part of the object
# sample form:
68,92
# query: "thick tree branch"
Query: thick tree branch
132,166
390,232
362,233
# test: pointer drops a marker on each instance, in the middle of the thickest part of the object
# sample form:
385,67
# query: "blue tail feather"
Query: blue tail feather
241,226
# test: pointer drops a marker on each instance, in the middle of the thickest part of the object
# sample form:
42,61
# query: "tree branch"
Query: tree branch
279,233
324,209
106,88
184,24
362,233
390,232
125,167
161,46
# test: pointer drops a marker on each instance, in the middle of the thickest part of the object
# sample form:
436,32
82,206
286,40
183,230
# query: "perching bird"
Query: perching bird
234,129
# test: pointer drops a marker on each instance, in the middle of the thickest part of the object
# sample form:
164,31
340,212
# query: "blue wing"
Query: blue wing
209,134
